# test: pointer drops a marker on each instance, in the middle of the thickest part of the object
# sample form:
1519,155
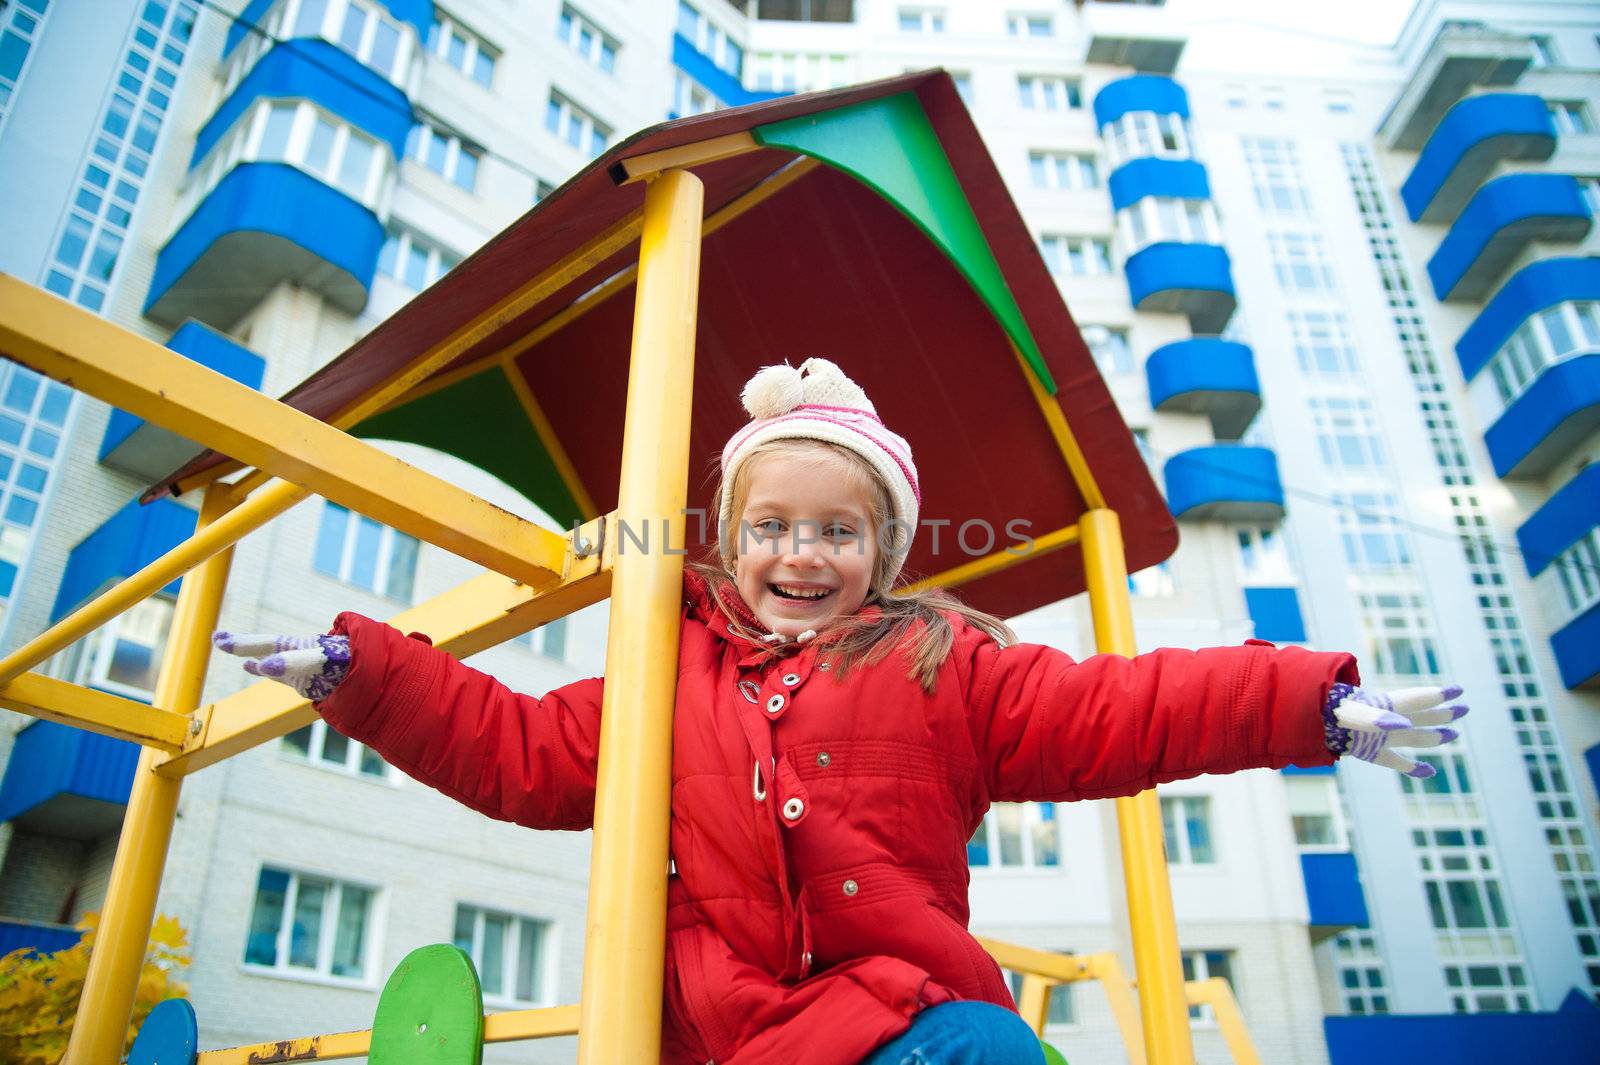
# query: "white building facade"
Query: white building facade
1344,294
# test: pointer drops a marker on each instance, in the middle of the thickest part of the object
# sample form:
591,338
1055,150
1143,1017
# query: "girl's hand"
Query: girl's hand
311,665
1366,725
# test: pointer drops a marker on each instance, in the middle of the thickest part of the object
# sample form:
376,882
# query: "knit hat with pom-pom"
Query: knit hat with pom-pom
818,402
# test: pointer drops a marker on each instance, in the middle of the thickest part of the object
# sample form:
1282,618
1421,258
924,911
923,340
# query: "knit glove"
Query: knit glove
311,665
1366,725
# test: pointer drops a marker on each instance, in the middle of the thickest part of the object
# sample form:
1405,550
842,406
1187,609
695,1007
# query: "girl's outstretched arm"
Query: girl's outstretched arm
1047,727
511,756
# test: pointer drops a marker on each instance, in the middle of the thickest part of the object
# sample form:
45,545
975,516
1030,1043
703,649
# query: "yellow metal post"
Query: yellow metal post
101,1028
1215,992
620,1015
1144,861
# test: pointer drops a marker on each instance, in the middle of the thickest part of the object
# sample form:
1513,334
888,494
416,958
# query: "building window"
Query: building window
921,20
1301,262
1154,580
1322,343
1399,640
1338,102
446,154
20,32
1049,93
1275,175
509,952
1063,170
1570,116
576,126
1076,256
1235,97
709,39
1314,812
1017,836
1361,973
1272,98
1263,557
364,30
1544,51
549,639
1110,348
310,924
1186,822
123,656
1203,965
1144,133
412,260
322,746
587,39
689,97
357,550
1450,776
462,49
33,415
1061,1011
1482,964
1162,219
1029,25
1578,570
799,71
542,189
1545,338
1369,525
302,135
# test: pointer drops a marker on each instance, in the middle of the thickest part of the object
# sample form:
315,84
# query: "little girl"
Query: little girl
836,744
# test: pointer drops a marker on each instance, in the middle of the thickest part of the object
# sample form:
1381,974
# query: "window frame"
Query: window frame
1111,348
395,256
1033,821
571,25
1182,855
920,19
1025,25
444,30
322,971
1200,965
456,147
545,970
1167,220
1050,93
388,538
572,115
1147,135
315,754
1533,348
87,661
1064,253
1064,170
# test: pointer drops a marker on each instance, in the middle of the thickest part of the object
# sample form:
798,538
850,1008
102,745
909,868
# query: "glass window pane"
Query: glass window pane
1046,836
275,137
364,565
357,164
492,969
32,477
10,430
22,390
1198,812
355,21
350,935
309,24
299,741
463,933
1555,325
456,51
261,948
372,763
483,69
330,539
306,931
133,664
335,748
74,240
466,170
530,941
416,269
21,510
1008,822
385,44
402,567
1466,904
320,150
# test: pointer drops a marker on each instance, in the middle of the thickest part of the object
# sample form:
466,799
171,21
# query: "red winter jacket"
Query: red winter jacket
816,908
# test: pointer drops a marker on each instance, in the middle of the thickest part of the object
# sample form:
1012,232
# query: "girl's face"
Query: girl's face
804,539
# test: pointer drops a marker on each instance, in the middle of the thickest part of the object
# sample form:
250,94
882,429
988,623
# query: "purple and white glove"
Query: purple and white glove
1366,725
311,665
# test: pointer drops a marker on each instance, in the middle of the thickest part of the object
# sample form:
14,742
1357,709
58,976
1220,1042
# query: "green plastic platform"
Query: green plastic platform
430,1012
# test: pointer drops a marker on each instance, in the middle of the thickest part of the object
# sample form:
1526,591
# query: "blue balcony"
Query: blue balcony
1141,92
1567,516
718,82
1478,133
1276,614
66,782
1531,289
1551,417
1333,893
1182,179
36,936
1496,226
264,224
1206,375
124,544
147,451
417,12
1224,482
1577,648
327,76
1190,279
1567,1036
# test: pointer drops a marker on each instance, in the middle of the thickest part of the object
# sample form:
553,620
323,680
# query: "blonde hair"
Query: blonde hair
918,620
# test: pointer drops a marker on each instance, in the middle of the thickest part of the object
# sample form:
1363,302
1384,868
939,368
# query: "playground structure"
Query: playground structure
748,223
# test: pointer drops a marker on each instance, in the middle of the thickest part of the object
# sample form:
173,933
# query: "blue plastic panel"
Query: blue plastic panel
1206,375
48,760
1577,648
327,76
1182,179
1565,1037
1503,218
1276,613
128,540
1191,279
210,349
1141,92
1552,416
1473,136
1333,890
1570,512
724,86
1529,290
1228,482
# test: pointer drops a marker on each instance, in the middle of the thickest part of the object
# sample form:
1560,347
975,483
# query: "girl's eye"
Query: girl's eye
838,532
769,527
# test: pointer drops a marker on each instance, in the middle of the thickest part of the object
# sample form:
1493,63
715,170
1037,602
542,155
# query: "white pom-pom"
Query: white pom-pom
774,390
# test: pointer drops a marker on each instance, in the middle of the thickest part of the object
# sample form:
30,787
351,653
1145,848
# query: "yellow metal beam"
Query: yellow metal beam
652,164
497,1028
106,1002
480,613
1066,440
218,536
91,354
552,443
1215,992
1034,1002
94,711
625,944
1163,1010
1070,968
996,561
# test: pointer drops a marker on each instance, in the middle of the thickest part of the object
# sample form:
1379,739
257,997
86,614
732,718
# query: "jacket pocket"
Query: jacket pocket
688,993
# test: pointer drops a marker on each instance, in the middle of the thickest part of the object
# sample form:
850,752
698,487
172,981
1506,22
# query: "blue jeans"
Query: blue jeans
962,1033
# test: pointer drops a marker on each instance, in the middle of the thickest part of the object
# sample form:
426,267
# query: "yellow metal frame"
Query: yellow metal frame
535,575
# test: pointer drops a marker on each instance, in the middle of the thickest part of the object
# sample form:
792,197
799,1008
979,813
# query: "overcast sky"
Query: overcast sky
1368,21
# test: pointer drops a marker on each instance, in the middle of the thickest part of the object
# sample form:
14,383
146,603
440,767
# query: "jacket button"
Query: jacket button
825,666
822,758
774,704
791,679
793,809
805,959
851,887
